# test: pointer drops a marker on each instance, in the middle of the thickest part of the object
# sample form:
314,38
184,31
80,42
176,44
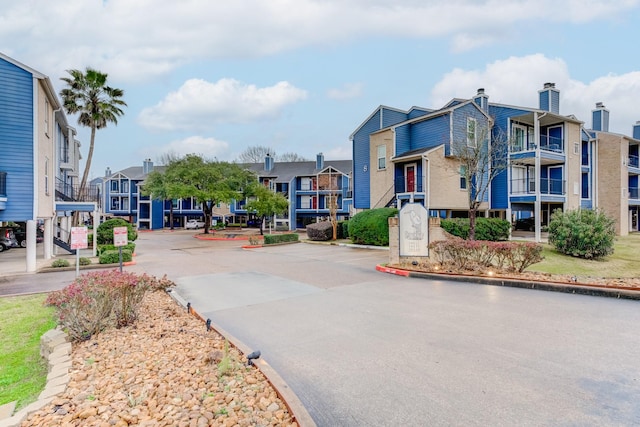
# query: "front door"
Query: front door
410,177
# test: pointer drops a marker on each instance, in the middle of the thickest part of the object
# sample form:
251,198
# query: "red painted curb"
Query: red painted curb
395,271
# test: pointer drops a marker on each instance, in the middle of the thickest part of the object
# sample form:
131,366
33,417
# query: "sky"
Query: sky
215,77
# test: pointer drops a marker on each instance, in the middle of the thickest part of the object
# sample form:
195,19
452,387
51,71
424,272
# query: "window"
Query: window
114,185
46,175
518,137
576,148
46,118
305,184
382,157
472,132
125,186
174,203
125,203
463,178
115,203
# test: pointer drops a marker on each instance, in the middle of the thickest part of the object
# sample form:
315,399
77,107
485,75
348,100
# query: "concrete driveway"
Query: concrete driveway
363,348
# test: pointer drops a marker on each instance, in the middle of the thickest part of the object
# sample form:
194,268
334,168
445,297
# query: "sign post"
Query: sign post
119,240
79,241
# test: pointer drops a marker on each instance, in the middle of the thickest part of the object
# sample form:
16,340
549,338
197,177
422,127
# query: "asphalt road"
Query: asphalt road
362,348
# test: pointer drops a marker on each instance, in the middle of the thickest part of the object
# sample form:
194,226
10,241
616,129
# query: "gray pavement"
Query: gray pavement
363,348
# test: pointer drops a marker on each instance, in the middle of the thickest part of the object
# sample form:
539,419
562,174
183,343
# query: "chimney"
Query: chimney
268,162
107,172
147,166
319,161
481,99
600,118
550,98
636,130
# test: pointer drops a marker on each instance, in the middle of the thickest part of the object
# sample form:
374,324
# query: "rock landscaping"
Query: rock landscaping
166,369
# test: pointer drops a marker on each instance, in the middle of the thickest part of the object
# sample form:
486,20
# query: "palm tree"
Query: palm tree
98,105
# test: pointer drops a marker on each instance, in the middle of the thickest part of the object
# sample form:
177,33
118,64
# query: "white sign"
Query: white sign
120,236
414,230
79,237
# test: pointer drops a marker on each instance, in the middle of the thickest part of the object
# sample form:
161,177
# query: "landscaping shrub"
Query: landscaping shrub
320,231
131,247
493,229
105,230
343,229
113,257
582,233
60,263
472,255
97,300
270,239
84,261
371,227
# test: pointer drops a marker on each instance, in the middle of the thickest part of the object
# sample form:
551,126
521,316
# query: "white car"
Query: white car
194,224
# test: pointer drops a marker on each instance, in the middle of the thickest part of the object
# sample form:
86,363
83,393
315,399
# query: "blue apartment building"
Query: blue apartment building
39,162
307,185
553,162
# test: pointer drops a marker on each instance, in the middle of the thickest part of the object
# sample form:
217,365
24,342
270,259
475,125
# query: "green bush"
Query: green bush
113,257
343,229
60,263
270,239
105,230
493,229
371,227
84,261
110,247
582,233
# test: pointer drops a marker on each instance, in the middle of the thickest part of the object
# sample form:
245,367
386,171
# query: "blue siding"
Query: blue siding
16,140
499,185
430,133
157,220
403,139
544,100
382,118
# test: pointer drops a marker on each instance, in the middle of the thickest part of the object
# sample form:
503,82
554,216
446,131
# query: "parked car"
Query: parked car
20,234
5,244
8,238
194,224
527,224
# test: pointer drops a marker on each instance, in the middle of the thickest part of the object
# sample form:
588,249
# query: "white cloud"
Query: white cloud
139,40
199,105
347,91
209,148
339,152
517,80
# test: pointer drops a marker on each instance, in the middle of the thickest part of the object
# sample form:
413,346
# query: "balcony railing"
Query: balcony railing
547,143
547,186
72,193
404,185
633,161
633,193
3,184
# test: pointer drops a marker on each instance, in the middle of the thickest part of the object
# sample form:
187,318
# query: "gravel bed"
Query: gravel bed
165,370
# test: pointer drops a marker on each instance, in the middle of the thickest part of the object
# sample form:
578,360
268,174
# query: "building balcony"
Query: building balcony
547,143
72,193
633,193
556,187
634,161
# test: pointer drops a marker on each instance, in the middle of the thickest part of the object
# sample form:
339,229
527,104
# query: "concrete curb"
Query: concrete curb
569,288
293,403
55,347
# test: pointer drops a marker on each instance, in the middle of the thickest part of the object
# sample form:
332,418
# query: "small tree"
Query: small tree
291,157
266,203
480,162
582,233
256,154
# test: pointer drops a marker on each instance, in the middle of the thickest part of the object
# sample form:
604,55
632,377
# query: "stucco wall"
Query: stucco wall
45,150
613,179
444,183
573,171
381,191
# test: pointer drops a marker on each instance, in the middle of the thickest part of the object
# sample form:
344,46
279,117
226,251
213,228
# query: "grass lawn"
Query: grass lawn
23,372
623,262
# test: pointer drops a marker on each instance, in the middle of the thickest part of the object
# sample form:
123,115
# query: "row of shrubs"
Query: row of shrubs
271,239
473,255
97,300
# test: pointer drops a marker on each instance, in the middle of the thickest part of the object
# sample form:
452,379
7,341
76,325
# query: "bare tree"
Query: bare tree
256,154
483,155
291,157
328,181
